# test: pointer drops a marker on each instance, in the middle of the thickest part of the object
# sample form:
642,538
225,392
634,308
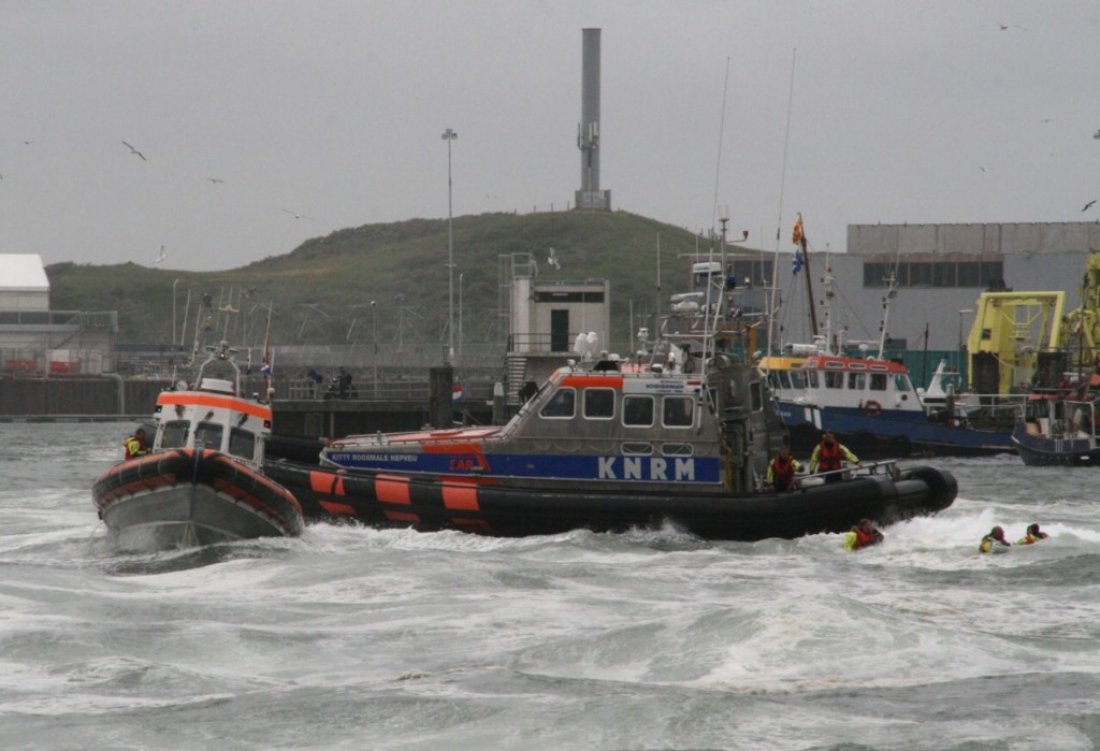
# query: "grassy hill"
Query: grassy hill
321,291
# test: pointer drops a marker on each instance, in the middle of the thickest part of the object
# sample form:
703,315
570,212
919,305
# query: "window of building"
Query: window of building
941,274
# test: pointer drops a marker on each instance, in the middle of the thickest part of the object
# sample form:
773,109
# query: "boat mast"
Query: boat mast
891,293
799,238
773,307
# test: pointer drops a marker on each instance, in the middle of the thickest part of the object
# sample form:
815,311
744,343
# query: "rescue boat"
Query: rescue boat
202,482
608,447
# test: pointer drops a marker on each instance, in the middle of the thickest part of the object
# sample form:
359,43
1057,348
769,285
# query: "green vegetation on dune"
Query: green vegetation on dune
321,290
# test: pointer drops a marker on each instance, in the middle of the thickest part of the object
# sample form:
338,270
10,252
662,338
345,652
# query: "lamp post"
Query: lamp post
460,275
374,339
960,355
448,136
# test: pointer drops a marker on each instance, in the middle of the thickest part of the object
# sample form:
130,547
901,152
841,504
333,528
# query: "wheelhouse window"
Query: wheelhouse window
834,379
208,435
599,404
857,381
678,411
638,411
175,434
563,404
756,393
902,384
878,382
811,378
242,443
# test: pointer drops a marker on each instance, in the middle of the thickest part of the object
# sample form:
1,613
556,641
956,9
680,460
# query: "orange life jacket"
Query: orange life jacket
828,457
782,472
863,539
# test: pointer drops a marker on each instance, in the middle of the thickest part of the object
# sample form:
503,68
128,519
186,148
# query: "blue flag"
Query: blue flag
796,262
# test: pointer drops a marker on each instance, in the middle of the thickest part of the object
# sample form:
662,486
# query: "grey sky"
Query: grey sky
902,112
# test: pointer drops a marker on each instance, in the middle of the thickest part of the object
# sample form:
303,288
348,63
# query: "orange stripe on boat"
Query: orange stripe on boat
392,489
321,482
190,399
586,381
460,498
402,516
337,509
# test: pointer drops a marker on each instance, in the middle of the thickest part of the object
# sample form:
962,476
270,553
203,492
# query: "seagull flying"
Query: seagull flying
552,259
1088,205
135,151
215,180
1006,27
296,215
162,256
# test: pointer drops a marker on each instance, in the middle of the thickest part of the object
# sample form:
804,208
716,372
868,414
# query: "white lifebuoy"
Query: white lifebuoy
871,408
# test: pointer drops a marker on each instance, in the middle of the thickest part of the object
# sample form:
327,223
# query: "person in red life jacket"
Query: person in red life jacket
781,469
1034,534
134,445
829,455
863,535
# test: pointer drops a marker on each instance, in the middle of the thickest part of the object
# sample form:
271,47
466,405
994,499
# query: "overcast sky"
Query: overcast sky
266,122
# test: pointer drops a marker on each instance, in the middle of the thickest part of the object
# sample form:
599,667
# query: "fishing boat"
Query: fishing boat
202,481
680,434
868,401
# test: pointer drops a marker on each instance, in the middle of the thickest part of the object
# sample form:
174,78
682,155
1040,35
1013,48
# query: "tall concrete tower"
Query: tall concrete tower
588,130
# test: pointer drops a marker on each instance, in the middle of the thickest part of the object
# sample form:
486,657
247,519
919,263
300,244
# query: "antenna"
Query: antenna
721,131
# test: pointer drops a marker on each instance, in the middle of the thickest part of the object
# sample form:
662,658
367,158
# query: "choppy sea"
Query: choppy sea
355,638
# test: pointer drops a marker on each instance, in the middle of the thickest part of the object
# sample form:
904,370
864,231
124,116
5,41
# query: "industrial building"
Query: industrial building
35,340
940,270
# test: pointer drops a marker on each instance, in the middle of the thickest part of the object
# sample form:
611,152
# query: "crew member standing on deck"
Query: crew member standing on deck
828,455
781,469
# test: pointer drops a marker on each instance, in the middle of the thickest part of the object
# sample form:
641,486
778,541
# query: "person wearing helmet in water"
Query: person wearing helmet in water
994,541
1034,534
863,535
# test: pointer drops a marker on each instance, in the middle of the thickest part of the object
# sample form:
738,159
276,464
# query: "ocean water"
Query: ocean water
355,638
